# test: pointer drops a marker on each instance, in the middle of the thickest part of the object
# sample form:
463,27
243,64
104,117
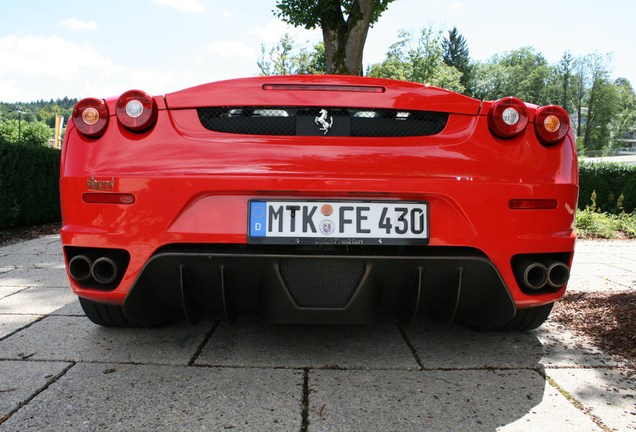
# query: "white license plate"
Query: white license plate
338,222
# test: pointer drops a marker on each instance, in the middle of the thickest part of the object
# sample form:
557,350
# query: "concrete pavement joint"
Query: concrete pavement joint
22,328
36,393
205,341
576,403
418,360
304,404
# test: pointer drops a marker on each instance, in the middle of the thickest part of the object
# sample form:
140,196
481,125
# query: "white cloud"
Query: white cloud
76,24
456,5
231,48
275,29
194,6
226,14
48,56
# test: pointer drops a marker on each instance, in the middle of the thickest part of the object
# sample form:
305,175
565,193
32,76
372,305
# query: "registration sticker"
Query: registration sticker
338,222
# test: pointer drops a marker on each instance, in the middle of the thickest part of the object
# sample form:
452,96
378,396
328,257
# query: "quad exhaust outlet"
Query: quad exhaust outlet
538,274
104,270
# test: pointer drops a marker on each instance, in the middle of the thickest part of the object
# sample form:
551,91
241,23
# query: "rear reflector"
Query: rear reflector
108,198
532,204
319,87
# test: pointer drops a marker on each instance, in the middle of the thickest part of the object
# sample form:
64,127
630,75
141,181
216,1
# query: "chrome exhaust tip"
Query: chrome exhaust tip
533,274
558,274
80,267
104,270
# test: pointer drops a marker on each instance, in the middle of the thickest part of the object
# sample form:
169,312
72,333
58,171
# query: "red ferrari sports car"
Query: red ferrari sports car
318,199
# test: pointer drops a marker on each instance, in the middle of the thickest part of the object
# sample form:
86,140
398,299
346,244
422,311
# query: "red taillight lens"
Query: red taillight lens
508,117
108,198
136,110
551,124
90,116
532,204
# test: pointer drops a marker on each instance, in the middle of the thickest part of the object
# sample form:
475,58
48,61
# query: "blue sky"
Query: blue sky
80,49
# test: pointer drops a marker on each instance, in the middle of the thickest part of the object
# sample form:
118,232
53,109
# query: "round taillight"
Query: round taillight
551,124
508,117
136,110
90,116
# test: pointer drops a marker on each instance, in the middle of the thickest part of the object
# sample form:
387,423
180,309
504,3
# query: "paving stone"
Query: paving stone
71,309
40,300
609,394
471,400
77,339
256,344
10,323
118,397
20,380
31,277
460,347
7,291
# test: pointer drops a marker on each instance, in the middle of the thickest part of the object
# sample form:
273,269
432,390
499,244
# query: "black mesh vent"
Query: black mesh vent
356,122
322,283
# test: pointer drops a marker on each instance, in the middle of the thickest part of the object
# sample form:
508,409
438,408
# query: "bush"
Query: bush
613,183
29,185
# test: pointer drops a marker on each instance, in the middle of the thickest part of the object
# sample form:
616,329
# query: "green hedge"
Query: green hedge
29,185
609,181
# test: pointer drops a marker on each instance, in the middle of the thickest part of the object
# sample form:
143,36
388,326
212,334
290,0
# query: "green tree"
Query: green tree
344,23
602,105
564,72
286,58
625,120
28,133
456,54
418,59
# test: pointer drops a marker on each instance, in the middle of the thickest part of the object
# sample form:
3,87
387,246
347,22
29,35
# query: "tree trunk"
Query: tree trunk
344,40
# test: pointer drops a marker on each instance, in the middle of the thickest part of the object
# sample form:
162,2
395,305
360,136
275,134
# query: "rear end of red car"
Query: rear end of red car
318,199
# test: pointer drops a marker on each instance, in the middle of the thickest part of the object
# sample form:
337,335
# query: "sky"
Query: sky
79,49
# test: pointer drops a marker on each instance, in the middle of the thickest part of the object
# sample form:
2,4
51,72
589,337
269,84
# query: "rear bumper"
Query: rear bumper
474,237
322,287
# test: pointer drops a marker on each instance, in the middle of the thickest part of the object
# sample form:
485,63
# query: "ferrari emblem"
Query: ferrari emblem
324,120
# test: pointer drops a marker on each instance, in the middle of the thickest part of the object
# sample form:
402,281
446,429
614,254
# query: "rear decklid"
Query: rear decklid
323,91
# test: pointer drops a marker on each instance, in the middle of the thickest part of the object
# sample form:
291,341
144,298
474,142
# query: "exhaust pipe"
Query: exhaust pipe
104,270
80,268
558,274
532,274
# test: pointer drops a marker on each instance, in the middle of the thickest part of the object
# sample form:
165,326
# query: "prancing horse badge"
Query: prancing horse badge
324,120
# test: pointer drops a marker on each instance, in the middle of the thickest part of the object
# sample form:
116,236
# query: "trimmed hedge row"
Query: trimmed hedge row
609,181
29,185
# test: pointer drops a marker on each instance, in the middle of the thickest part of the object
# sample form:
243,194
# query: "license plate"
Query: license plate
338,222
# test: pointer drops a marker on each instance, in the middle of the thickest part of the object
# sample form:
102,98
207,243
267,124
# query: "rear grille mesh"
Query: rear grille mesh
322,283
303,121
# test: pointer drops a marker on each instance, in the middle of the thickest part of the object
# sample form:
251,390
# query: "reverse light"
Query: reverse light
90,116
136,110
551,124
508,117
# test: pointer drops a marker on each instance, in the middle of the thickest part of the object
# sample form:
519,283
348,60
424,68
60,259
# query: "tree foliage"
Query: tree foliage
456,54
288,58
32,123
419,60
344,24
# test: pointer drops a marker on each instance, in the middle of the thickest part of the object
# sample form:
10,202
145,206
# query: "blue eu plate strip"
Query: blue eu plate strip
258,214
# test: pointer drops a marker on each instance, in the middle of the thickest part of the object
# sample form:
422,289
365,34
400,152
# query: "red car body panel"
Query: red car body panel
192,185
